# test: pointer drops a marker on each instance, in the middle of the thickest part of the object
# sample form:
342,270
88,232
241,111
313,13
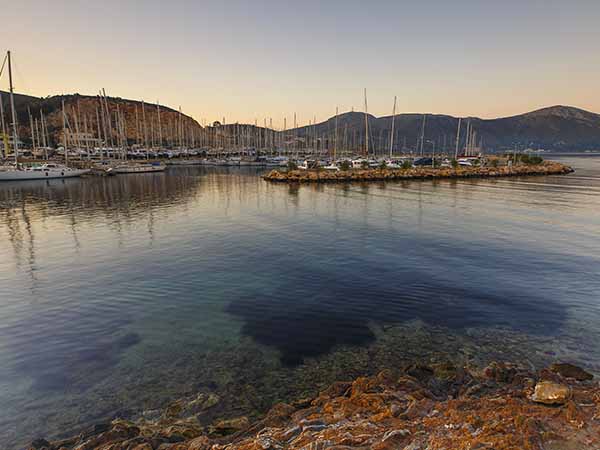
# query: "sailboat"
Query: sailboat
333,165
128,166
391,163
17,171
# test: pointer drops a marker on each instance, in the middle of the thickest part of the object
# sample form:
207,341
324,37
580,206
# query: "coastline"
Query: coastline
365,175
418,406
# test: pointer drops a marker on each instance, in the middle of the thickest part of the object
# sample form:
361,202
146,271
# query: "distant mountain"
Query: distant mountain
558,128
83,112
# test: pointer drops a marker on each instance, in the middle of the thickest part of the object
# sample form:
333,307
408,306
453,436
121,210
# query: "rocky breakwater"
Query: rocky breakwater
419,173
438,406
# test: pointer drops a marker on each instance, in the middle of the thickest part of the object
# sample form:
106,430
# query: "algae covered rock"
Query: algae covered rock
229,426
567,370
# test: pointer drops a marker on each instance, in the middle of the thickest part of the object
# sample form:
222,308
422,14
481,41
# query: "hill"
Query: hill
114,117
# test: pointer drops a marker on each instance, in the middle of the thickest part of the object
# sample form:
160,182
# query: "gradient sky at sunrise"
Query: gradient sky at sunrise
253,59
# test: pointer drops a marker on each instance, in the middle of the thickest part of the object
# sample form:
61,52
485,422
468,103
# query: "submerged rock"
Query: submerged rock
571,371
500,372
229,426
550,393
40,443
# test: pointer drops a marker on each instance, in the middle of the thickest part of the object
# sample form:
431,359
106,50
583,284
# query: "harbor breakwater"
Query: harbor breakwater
419,406
418,173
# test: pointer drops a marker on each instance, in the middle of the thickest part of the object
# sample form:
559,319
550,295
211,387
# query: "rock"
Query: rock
144,446
290,434
414,446
550,393
337,389
302,403
187,407
40,443
174,409
230,426
396,409
567,370
418,409
182,431
419,371
278,414
500,372
203,402
177,446
392,440
200,443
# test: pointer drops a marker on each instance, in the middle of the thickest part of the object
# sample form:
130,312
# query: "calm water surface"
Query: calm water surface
118,295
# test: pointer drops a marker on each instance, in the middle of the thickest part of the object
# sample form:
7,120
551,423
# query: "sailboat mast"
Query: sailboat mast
4,137
457,139
13,111
64,121
393,120
144,127
366,126
467,137
99,133
159,125
423,134
32,129
335,142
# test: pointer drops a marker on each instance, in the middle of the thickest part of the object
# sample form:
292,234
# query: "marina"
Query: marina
299,225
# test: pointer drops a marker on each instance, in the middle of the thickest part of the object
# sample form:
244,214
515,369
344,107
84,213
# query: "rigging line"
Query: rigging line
3,64
20,77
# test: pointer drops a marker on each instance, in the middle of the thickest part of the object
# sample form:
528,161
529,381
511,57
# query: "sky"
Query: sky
256,59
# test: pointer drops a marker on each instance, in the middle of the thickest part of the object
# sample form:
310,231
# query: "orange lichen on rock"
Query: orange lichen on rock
420,407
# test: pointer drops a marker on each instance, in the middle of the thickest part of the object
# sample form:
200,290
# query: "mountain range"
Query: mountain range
556,128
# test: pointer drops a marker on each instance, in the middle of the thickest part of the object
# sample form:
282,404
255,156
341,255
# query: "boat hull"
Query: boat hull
17,175
139,169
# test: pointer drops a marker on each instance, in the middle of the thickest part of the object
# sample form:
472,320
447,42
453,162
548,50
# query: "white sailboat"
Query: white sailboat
39,172
17,171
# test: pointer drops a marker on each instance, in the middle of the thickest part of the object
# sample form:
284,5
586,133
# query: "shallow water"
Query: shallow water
120,294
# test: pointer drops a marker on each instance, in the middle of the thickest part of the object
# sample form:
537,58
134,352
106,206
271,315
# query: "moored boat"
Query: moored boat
140,168
39,172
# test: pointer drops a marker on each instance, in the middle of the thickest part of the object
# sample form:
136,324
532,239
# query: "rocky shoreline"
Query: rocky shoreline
437,406
419,173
